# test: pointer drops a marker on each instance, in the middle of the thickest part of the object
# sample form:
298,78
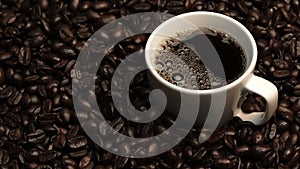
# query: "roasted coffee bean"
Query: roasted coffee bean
3,108
278,144
259,151
2,76
24,55
292,140
297,90
281,73
6,91
216,137
15,98
48,156
30,80
65,115
84,32
74,4
199,154
66,101
272,131
188,151
285,113
4,157
230,142
68,162
17,79
271,159
15,134
92,15
5,55
85,5
242,151
11,32
280,64
60,140
223,163
102,5
142,7
287,154
296,105
175,6
294,160
36,137
282,126
66,33
258,138
245,133
77,142
68,52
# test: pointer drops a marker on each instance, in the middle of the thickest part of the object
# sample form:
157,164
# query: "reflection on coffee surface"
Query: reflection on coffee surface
179,59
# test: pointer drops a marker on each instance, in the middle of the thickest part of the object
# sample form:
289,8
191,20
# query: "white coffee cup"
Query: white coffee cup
215,105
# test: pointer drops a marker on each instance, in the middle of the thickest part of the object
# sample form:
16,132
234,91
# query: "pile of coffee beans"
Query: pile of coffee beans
39,44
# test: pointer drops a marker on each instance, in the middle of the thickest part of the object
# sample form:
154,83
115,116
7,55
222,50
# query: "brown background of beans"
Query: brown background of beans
40,41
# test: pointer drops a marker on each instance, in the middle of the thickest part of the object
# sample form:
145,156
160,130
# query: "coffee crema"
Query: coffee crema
179,59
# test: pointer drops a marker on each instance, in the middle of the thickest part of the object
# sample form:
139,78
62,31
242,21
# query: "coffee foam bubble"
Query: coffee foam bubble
185,70
180,65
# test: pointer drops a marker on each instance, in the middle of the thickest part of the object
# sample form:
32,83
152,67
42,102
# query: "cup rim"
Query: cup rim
233,84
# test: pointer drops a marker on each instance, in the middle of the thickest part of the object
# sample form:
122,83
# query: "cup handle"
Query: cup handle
268,91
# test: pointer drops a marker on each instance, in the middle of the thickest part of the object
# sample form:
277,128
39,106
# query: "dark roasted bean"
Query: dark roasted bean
2,76
102,5
271,159
74,4
199,154
296,105
216,137
35,137
15,134
281,73
92,15
278,144
48,156
77,142
17,79
294,160
258,137
272,132
287,154
286,113
175,6
36,11
230,142
282,126
24,55
15,98
188,151
280,64
142,7
66,33
83,33
6,92
4,157
242,151
259,151
85,5
223,163
5,55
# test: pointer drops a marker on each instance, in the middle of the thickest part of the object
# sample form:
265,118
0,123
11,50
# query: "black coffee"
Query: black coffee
179,60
